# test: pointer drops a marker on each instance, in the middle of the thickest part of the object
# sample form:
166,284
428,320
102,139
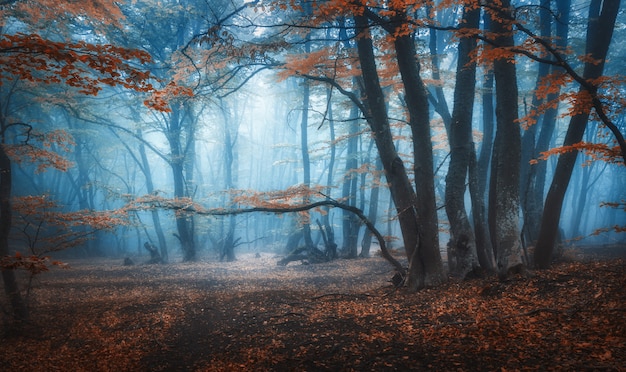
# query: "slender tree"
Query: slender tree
601,23
462,241
505,169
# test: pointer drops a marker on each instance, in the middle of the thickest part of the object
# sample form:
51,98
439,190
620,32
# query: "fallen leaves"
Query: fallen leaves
342,315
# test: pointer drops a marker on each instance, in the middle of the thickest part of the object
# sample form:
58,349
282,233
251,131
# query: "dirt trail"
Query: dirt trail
343,315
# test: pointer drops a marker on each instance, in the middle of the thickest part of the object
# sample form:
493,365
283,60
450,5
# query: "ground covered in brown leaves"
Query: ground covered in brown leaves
343,315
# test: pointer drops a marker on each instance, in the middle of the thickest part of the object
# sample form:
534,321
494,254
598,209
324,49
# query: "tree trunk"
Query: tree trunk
183,223
156,220
505,170
373,208
530,133
425,262
327,227
462,241
402,192
439,98
228,240
351,226
602,15
478,174
11,289
306,163
534,201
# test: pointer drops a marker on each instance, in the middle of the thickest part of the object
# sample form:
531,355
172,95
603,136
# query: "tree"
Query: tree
602,15
505,168
274,202
350,224
424,268
534,139
462,241
82,66
417,213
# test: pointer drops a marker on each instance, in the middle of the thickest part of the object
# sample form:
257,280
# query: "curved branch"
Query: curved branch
333,83
191,208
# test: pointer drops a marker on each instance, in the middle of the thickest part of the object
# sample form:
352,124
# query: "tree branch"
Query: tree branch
194,208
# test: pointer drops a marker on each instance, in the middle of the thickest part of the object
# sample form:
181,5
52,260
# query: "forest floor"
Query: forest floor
344,315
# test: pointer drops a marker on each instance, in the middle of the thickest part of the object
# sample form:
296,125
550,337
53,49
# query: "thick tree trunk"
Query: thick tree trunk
426,262
462,242
402,192
505,174
602,15
11,289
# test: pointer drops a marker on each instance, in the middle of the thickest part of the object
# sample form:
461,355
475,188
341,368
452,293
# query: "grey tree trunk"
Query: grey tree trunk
306,162
534,200
156,220
478,174
505,171
328,231
602,15
351,225
425,265
373,207
462,256
184,223
11,289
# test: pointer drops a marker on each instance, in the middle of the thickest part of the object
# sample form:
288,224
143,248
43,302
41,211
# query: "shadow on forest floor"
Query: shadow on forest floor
342,315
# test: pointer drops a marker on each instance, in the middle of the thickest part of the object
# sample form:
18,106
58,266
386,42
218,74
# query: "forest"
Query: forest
405,184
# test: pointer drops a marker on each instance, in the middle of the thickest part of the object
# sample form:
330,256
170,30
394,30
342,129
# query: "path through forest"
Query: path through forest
343,315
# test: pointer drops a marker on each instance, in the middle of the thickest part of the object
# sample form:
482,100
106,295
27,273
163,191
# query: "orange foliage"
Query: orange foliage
106,12
159,100
84,66
128,318
277,199
31,263
42,149
44,227
597,151
81,65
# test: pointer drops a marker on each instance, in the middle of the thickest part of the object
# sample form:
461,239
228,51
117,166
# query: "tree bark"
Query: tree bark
417,212
402,192
373,208
156,220
327,227
505,174
478,174
228,240
462,242
426,262
349,189
11,289
183,223
439,98
602,15
534,201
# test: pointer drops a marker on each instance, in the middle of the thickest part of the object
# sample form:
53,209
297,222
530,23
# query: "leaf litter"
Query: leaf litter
341,316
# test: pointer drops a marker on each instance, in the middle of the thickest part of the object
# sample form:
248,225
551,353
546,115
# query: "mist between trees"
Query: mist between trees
473,138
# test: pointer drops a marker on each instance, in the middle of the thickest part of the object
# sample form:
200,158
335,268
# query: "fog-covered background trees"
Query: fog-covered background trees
445,122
